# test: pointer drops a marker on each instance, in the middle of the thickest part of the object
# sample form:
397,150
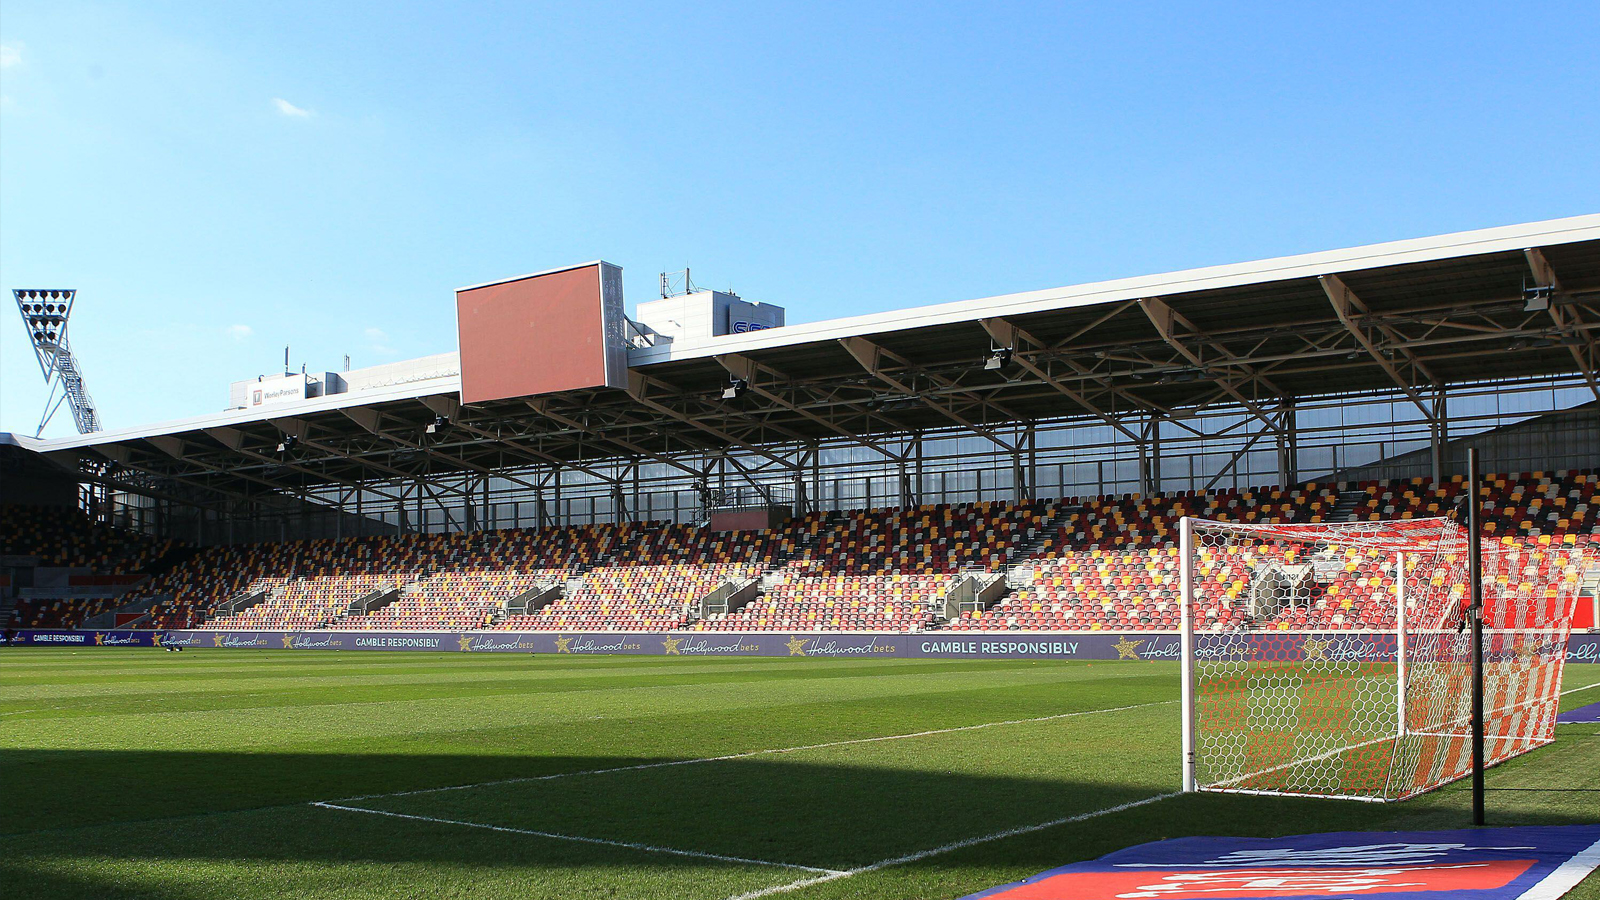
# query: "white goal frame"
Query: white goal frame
1402,697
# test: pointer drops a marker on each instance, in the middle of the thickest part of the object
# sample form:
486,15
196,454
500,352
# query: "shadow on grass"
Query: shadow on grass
234,820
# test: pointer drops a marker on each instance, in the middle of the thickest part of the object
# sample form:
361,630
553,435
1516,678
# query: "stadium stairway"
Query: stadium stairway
1349,505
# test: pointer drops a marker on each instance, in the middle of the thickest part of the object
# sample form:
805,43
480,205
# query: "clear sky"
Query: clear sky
219,179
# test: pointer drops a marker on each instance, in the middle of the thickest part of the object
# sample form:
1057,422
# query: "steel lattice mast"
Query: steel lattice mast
44,315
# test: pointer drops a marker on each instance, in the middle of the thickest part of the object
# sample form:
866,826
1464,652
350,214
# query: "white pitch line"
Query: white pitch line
750,753
1584,688
579,839
1566,876
955,845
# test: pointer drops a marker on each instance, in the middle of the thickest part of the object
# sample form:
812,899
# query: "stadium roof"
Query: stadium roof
1413,316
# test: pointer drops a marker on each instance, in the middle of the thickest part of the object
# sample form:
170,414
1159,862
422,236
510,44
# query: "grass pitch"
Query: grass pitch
136,773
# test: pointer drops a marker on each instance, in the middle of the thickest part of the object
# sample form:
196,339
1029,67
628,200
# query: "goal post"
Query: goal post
1333,659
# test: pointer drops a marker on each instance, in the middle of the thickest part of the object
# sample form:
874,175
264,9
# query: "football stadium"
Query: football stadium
668,598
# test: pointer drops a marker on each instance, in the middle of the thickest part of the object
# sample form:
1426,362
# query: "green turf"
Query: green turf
136,773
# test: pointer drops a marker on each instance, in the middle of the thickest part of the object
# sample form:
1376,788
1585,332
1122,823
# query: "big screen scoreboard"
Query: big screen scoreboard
552,331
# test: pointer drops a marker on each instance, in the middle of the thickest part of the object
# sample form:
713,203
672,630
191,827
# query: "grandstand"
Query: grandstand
1017,463
956,533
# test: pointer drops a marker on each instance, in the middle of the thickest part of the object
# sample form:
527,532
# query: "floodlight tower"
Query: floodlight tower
44,314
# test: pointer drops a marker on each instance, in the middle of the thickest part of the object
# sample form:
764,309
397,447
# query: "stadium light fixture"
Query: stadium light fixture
999,358
45,313
1537,297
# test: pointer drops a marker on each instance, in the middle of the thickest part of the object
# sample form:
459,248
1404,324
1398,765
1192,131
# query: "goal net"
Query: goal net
1335,660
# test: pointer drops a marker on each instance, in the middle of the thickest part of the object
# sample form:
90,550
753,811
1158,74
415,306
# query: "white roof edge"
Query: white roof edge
582,265
450,384
1325,262
1465,243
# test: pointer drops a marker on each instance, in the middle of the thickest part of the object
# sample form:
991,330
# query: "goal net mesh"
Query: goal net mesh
1335,659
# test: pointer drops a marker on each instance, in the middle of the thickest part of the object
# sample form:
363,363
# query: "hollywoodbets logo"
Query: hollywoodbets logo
492,644
580,644
235,641
817,646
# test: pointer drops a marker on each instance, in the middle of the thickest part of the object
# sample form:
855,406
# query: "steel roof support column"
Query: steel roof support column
1032,439
921,486
559,517
1439,435
1143,447
816,475
903,476
1155,453
1288,444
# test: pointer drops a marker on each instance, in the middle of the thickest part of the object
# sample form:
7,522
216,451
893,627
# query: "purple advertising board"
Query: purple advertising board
1092,645
1542,862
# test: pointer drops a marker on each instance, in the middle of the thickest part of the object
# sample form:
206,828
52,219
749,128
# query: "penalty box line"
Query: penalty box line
629,845
747,754
947,848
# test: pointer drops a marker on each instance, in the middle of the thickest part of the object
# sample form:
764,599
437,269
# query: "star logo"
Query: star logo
288,642
155,639
1316,649
670,645
797,646
99,639
561,644
1127,649
216,639
465,642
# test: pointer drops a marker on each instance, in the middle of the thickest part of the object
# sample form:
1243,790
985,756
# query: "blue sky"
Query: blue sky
220,179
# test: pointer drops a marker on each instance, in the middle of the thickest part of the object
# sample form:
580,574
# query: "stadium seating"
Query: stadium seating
66,538
883,570
657,575
449,601
1114,565
219,574
1096,564
61,613
632,598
